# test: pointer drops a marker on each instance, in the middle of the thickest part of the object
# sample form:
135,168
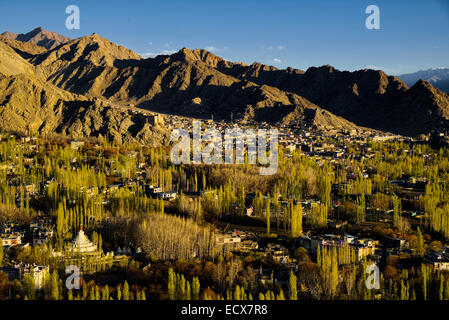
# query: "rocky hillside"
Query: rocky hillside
438,77
367,98
11,63
24,49
39,37
197,83
28,103
188,82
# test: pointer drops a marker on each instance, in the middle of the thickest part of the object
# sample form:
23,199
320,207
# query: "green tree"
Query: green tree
242,201
1,252
396,209
195,288
296,219
29,287
293,286
105,293
126,291
188,295
60,222
420,243
280,296
54,285
119,293
171,284
267,214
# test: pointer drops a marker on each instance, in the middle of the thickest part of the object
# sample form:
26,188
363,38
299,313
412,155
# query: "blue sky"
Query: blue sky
414,34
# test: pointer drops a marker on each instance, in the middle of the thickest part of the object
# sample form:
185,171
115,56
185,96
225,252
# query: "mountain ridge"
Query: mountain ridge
38,36
52,110
198,83
438,77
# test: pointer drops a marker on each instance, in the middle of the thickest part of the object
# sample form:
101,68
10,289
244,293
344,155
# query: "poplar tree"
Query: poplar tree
97,292
446,289
296,219
188,295
396,209
60,222
29,286
424,281
403,291
54,284
242,201
268,217
105,293
119,293
126,291
237,293
1,252
420,243
195,288
293,286
171,284
280,296
92,293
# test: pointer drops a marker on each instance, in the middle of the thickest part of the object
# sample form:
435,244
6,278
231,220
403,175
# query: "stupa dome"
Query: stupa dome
82,244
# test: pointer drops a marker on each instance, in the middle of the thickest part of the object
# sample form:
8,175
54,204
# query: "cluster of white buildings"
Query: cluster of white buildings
38,273
362,247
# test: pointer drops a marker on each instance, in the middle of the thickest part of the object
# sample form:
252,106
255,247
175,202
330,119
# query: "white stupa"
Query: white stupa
82,244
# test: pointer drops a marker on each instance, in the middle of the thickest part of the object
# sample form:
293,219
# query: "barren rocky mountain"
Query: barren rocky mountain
24,49
39,37
197,83
28,104
438,77
368,98
179,84
11,63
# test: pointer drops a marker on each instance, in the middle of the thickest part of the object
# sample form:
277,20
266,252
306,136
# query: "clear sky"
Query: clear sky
413,34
